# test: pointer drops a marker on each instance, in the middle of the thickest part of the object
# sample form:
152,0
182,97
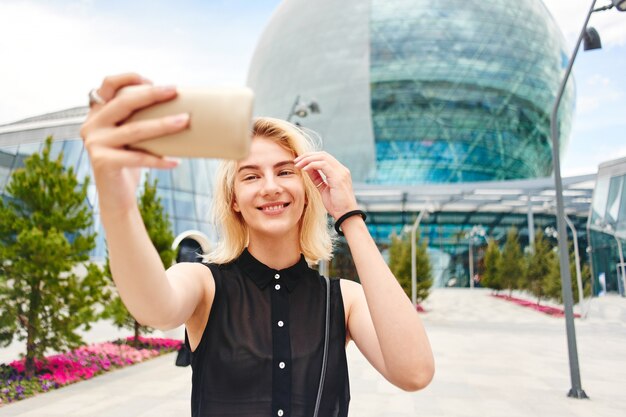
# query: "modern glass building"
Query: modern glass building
185,191
416,91
607,228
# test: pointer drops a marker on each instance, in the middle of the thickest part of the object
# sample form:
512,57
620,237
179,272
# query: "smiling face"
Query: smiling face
269,191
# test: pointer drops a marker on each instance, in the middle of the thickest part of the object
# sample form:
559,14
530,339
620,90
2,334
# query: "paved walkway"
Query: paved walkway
493,359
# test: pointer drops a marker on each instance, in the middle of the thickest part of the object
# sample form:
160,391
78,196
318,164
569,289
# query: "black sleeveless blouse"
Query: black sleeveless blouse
261,352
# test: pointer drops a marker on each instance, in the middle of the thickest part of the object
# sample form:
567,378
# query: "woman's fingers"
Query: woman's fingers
112,83
133,132
316,178
332,170
332,179
120,107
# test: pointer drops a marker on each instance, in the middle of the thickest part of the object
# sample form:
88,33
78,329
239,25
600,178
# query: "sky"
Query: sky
52,52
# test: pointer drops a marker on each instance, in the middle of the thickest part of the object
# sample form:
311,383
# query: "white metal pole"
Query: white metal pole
413,262
471,263
621,261
579,280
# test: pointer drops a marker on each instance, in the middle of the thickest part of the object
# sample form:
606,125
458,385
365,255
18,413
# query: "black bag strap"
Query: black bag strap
325,357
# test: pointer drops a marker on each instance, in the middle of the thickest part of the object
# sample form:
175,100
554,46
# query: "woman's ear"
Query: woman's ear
236,206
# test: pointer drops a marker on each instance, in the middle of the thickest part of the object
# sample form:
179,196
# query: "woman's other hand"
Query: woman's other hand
332,179
107,138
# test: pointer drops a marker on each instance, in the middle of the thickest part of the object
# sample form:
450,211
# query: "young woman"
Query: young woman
255,312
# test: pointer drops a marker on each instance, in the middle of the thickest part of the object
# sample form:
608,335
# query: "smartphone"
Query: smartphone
219,126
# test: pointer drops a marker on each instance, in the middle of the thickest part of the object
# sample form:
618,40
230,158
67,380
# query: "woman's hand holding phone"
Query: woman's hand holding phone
108,139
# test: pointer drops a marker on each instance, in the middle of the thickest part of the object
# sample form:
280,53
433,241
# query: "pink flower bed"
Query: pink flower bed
552,311
79,364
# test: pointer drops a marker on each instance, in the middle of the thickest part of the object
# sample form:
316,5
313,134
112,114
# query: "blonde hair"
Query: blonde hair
315,240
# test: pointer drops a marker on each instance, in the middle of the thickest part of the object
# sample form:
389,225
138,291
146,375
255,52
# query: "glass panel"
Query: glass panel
183,225
182,176
55,149
24,151
71,153
92,197
208,230
614,198
621,218
200,176
99,252
183,204
7,159
166,200
82,170
164,177
203,207
600,194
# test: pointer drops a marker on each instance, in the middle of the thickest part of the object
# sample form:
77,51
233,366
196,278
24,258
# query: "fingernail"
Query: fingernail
172,161
178,120
145,80
166,88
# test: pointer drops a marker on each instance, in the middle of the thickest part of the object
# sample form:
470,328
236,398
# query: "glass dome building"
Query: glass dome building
415,91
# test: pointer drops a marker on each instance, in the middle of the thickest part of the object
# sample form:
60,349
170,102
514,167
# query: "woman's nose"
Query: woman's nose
271,186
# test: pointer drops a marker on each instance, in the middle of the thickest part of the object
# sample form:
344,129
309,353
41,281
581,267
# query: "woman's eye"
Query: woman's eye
286,172
249,177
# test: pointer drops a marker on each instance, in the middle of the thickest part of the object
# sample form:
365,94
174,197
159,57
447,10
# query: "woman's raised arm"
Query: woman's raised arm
380,317
152,296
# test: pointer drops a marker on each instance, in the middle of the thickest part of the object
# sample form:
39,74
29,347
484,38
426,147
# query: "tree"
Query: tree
539,266
47,287
511,265
552,285
400,265
160,232
491,277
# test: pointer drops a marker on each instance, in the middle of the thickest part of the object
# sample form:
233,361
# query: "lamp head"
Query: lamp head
315,108
591,39
301,110
620,5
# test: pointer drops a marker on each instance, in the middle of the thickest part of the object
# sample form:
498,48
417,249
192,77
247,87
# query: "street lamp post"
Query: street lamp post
576,390
476,231
413,253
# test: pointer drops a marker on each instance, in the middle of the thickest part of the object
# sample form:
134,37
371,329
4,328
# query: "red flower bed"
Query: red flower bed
79,364
552,311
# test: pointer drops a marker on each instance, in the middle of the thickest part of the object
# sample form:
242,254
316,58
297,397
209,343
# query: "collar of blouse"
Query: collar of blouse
262,275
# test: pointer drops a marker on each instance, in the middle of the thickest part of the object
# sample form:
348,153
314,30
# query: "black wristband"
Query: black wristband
345,216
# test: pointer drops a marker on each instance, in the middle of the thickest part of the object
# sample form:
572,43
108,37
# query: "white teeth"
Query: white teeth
273,208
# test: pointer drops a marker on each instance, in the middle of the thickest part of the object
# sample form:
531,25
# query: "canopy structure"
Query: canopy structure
456,208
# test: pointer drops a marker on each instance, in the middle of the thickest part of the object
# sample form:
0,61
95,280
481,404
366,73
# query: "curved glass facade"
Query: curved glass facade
462,91
185,191
414,91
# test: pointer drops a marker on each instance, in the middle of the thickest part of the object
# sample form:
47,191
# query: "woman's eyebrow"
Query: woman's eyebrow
276,165
283,163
